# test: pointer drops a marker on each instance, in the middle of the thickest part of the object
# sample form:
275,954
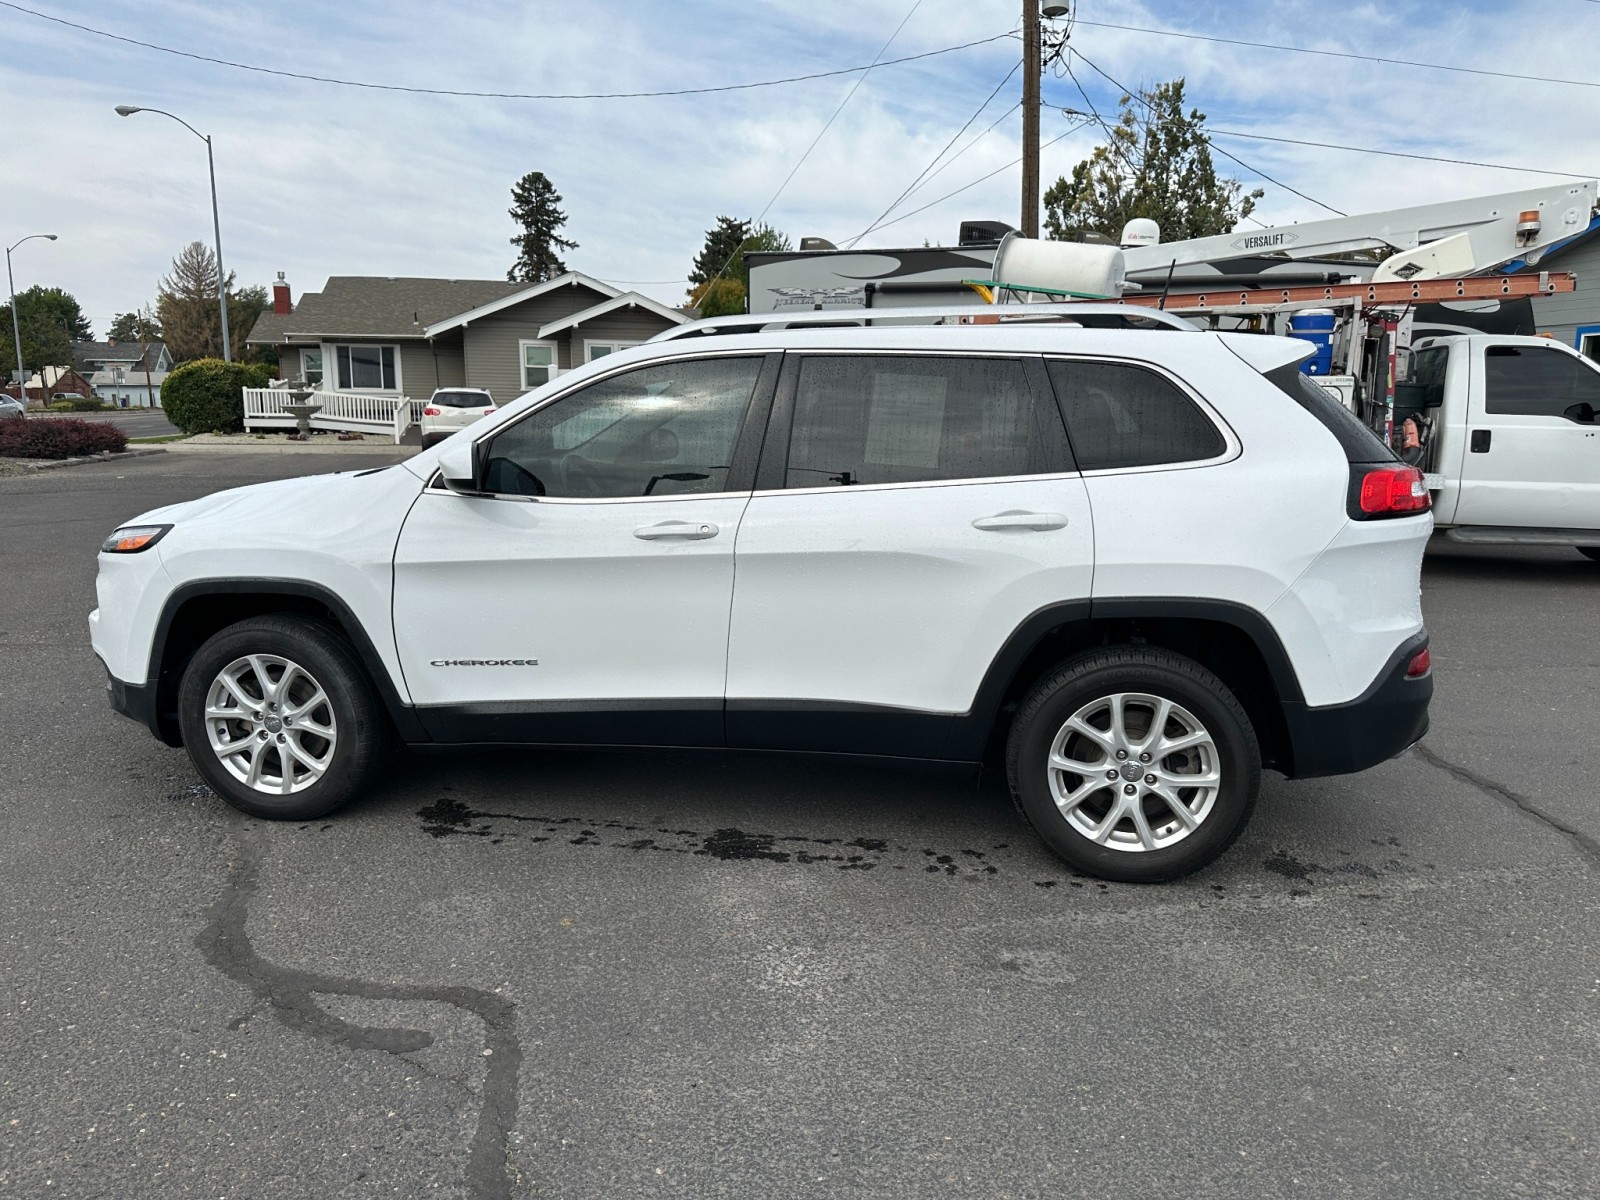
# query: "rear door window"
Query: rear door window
874,419
1122,415
1530,381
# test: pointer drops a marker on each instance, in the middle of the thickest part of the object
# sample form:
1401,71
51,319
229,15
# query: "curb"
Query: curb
388,449
51,464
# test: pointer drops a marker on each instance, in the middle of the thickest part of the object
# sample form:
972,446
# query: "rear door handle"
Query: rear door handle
1022,520
688,531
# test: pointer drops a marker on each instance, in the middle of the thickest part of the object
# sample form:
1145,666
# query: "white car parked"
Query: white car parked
452,409
1135,566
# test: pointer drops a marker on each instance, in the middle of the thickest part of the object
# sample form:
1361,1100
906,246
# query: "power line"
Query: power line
1463,162
973,184
426,91
756,224
941,168
1399,62
1218,149
1015,67
829,124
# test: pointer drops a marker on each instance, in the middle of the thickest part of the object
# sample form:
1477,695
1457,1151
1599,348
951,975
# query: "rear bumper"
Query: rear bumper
1386,719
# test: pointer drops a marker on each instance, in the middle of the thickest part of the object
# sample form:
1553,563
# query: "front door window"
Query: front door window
666,430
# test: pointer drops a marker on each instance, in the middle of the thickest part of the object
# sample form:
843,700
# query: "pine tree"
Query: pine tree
1156,162
719,279
186,307
536,207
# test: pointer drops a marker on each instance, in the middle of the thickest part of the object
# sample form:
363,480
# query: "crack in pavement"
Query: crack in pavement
1588,848
290,994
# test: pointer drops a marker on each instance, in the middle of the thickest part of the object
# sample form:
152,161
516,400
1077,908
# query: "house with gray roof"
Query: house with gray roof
405,337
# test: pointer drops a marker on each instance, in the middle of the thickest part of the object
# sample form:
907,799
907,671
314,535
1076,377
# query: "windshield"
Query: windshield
463,399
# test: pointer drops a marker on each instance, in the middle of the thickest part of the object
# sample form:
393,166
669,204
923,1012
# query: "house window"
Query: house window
538,363
1589,344
311,365
594,350
367,368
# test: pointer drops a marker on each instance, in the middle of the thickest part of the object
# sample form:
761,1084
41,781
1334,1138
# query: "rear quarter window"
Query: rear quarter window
1122,415
1360,444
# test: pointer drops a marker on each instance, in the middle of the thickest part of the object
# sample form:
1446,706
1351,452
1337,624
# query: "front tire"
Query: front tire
279,718
1134,764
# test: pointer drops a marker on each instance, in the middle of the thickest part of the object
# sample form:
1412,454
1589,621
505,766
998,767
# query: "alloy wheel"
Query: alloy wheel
271,724
1134,772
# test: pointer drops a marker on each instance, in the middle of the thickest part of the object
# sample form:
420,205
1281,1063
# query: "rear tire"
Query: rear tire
280,719
1590,552
1112,794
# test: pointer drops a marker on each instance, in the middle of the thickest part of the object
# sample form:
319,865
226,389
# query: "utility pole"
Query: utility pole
1030,118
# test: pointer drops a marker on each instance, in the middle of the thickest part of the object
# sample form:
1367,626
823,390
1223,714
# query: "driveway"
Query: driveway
650,974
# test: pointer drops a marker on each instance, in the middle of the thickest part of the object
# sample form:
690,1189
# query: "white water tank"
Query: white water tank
1141,231
1082,270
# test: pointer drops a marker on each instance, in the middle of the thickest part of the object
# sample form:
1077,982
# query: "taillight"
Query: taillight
1421,663
487,411
433,412
1387,491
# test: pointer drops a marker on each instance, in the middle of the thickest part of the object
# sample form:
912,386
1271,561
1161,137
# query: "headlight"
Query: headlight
131,539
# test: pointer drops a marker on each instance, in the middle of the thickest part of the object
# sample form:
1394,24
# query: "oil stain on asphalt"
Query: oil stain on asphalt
449,818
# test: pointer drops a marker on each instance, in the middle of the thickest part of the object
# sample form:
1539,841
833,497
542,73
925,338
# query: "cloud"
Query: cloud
316,180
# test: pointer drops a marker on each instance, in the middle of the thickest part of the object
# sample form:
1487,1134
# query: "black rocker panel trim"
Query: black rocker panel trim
683,722
836,727
403,715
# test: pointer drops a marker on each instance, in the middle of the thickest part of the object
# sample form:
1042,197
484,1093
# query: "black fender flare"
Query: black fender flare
402,713
969,732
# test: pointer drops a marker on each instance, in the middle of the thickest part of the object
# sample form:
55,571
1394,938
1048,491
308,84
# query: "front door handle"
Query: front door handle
688,531
1022,520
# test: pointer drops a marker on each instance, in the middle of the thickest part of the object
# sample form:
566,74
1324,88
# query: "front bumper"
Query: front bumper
138,702
1384,721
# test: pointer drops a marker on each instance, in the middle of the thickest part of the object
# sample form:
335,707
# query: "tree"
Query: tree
139,325
186,305
1156,163
536,206
50,321
719,279
722,244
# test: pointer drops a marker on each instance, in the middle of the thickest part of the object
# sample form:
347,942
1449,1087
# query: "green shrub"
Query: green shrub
80,404
207,394
58,437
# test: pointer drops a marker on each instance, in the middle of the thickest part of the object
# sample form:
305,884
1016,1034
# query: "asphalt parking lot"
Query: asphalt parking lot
644,974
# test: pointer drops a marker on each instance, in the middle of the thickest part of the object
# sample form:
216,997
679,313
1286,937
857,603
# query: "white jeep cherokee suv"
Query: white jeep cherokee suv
1133,565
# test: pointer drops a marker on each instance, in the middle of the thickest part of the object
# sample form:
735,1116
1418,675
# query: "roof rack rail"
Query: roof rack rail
1098,316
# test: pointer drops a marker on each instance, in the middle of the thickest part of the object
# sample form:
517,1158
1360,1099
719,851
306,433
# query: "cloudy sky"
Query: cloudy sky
317,179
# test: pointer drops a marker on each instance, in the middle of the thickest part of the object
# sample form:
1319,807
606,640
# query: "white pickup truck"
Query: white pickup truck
1511,446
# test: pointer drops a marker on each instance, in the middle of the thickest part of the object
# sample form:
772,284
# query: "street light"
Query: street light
127,110
16,329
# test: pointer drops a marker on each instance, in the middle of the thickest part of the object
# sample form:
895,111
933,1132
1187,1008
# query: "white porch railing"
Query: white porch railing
353,411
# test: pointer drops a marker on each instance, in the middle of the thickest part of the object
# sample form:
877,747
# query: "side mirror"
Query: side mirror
1582,413
458,466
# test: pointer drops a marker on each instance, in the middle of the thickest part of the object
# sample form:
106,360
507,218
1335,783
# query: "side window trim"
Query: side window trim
1232,447
773,469
746,445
